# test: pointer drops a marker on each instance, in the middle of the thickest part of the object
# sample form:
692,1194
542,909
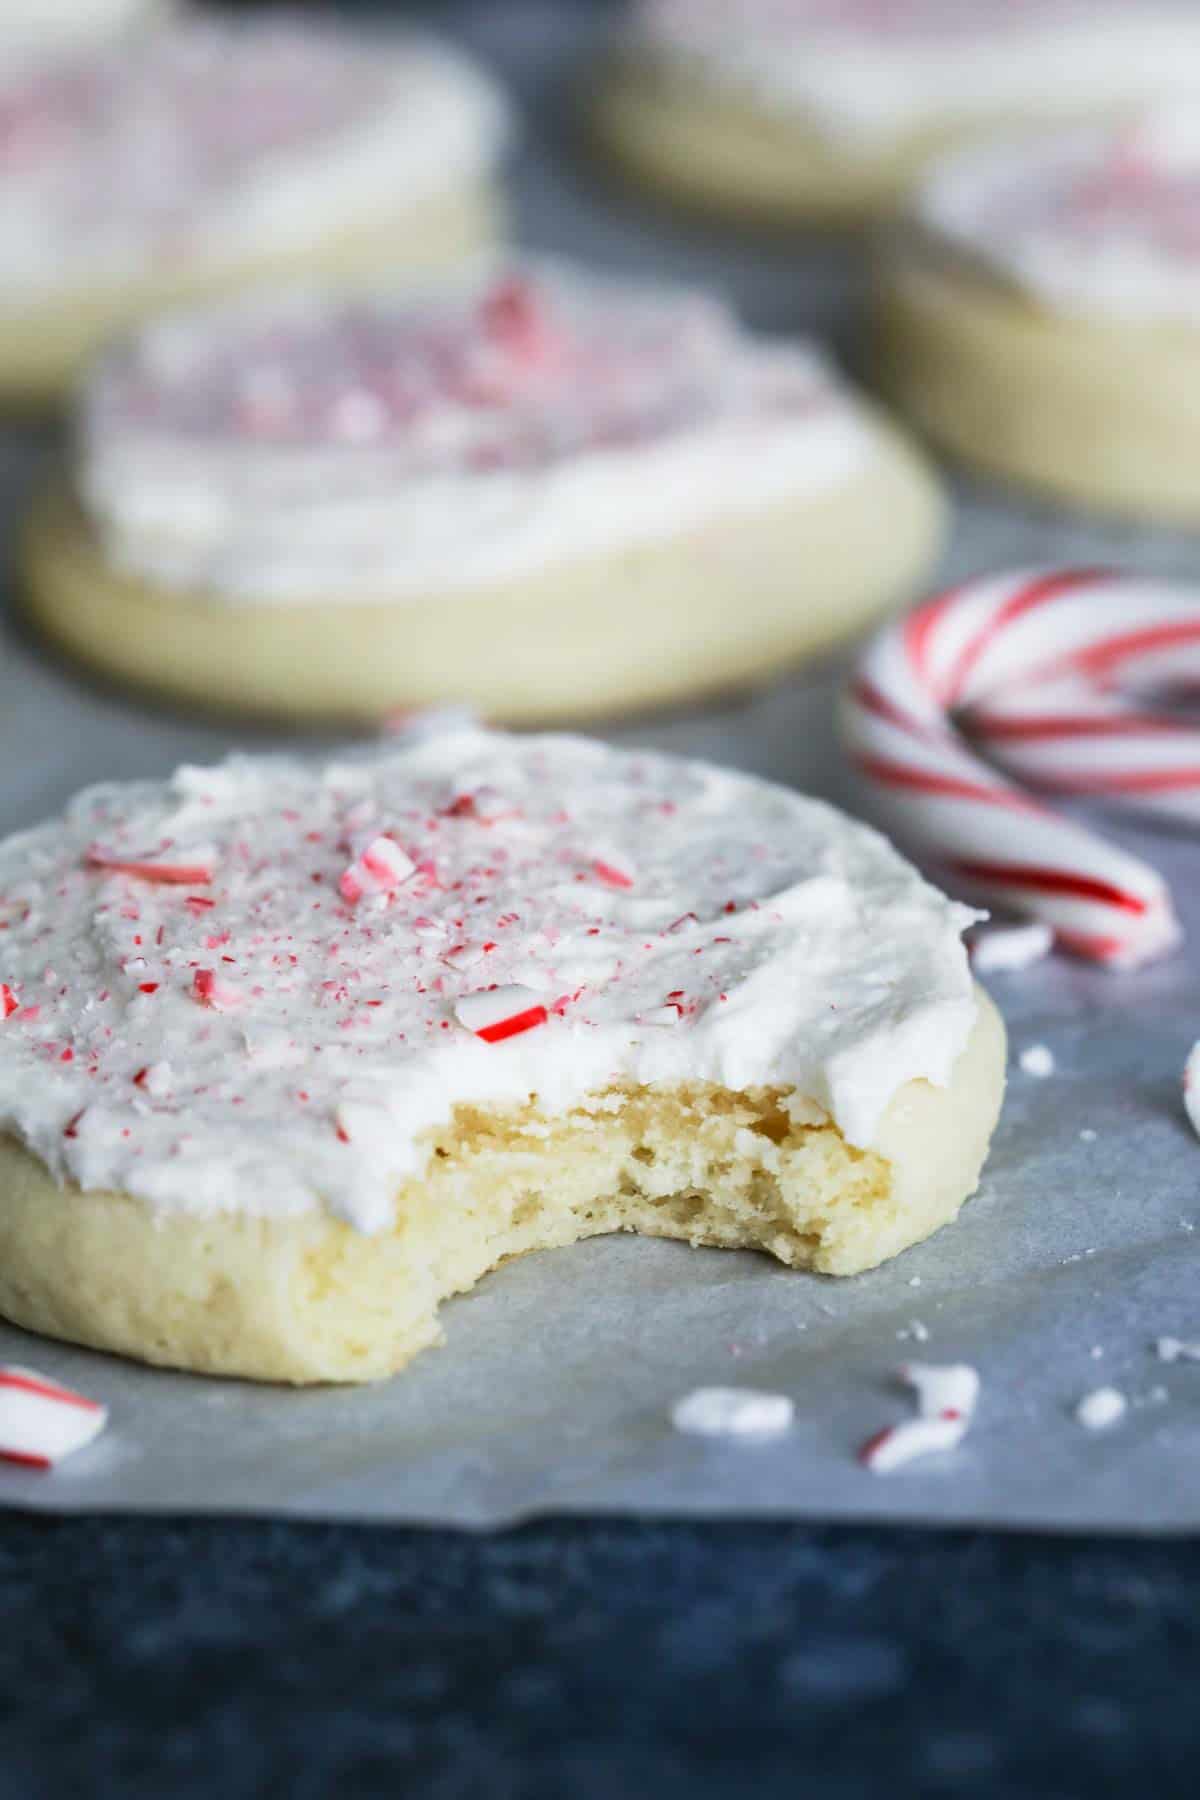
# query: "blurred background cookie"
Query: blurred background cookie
1039,314
211,151
825,109
543,493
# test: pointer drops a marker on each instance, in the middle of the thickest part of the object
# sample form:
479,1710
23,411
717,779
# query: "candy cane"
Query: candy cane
40,1421
1043,672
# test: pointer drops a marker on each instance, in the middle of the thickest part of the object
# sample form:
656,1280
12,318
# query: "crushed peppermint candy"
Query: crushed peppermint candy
413,413
494,1014
210,990
379,869
41,1421
151,869
1173,1349
946,1396
1102,1408
718,1412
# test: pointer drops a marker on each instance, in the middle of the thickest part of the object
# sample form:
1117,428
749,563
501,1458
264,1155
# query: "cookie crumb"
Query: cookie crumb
1173,1349
1038,1061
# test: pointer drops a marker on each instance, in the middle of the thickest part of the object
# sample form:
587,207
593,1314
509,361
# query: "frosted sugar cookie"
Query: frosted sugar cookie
1039,314
827,108
541,493
289,1053
209,152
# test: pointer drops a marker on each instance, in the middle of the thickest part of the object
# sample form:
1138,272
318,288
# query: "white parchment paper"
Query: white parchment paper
553,1390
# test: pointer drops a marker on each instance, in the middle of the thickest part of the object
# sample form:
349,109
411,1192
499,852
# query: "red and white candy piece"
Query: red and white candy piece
9,1004
41,1421
946,1395
379,869
208,989
494,1014
158,869
1046,673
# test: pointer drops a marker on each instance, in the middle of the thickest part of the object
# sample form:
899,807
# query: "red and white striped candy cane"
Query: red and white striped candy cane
1045,674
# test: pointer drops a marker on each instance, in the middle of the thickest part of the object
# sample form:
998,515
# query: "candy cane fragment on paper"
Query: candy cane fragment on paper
41,1421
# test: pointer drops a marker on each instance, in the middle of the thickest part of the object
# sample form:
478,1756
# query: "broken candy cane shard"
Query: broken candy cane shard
40,1421
9,1004
942,1388
146,869
380,869
733,1412
497,1013
210,990
946,1395
1173,1349
899,1444
611,875
661,1015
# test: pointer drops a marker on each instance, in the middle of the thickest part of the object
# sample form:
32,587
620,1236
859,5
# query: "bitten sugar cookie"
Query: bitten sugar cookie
208,153
289,1053
827,108
543,494
1039,315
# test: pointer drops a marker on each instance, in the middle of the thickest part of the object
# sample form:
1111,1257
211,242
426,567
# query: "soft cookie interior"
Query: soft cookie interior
309,1299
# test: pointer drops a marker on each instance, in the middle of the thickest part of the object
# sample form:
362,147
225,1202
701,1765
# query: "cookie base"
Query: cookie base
310,1300
658,623
45,343
1100,415
715,150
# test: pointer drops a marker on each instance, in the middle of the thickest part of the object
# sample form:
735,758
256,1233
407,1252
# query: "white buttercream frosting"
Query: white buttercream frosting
208,140
308,449
245,988
859,69
1094,221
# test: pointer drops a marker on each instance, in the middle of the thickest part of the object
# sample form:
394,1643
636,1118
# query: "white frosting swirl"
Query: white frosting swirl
861,69
1094,222
313,450
218,1028
210,140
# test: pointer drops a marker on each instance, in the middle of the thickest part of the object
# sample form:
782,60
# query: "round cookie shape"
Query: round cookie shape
206,153
322,1043
536,491
1039,313
783,109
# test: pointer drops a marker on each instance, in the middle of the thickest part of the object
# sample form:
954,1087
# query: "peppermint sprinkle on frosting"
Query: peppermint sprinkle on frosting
301,447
